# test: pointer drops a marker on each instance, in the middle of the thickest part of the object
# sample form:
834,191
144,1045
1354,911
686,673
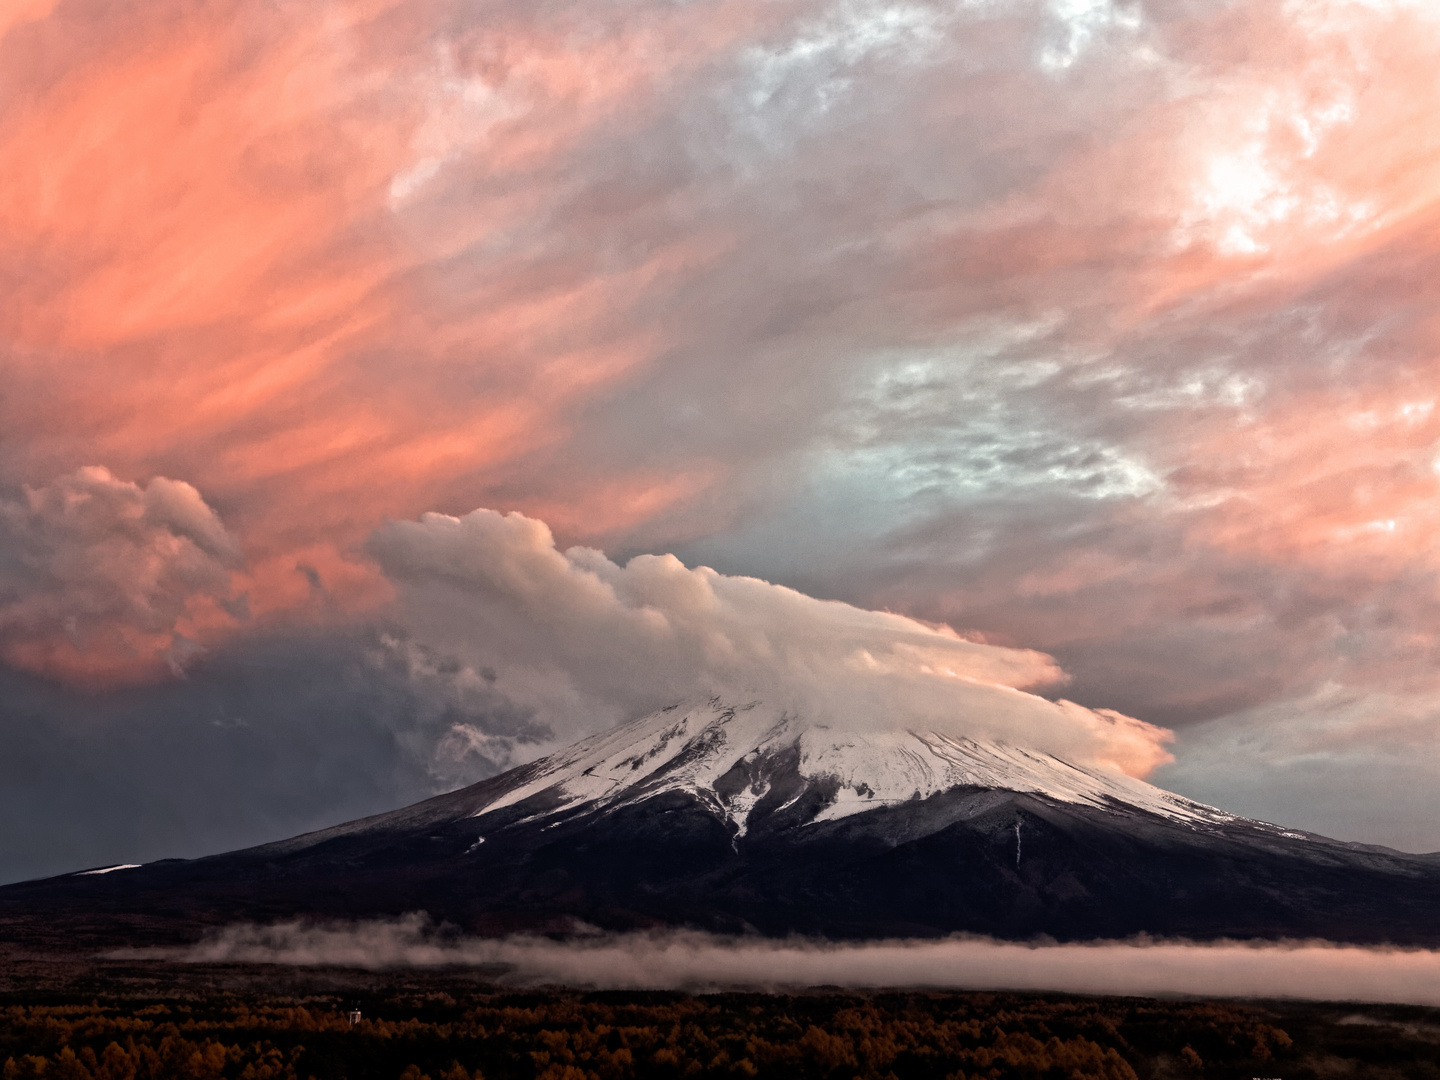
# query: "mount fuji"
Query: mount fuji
744,817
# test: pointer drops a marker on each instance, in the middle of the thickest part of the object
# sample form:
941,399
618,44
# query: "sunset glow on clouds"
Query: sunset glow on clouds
1105,330
589,645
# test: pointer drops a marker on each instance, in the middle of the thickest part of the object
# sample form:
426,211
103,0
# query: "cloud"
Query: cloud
694,961
277,733
592,643
257,214
100,578
1079,325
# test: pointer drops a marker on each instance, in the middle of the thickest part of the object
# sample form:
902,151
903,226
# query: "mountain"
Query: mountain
747,818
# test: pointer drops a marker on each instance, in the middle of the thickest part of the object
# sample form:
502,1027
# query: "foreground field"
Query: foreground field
223,1024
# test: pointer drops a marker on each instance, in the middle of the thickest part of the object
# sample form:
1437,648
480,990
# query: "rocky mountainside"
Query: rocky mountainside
746,818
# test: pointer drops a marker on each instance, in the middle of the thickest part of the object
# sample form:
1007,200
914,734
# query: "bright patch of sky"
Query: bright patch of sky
1077,24
460,112
961,425
788,87
1254,178
1199,386
927,432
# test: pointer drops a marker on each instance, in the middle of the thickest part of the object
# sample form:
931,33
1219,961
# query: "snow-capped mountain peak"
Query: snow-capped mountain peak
749,818
729,757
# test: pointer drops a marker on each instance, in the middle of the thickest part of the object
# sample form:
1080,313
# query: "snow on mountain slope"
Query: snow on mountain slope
728,757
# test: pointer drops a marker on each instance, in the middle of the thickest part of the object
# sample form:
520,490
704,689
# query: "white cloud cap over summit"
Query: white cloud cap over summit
589,643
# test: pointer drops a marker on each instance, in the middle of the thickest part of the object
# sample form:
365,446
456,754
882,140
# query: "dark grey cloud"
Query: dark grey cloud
276,735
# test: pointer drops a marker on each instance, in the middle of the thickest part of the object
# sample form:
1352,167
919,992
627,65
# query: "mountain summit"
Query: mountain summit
751,761
749,818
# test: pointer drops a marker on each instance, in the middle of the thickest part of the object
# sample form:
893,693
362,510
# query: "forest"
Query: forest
472,1032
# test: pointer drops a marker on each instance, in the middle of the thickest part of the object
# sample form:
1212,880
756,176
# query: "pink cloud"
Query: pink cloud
635,272
103,580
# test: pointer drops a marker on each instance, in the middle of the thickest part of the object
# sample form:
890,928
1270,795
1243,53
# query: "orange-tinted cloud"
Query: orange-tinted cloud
636,271
104,581
220,263
203,240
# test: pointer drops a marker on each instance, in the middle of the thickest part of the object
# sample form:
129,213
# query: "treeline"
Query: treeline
562,1036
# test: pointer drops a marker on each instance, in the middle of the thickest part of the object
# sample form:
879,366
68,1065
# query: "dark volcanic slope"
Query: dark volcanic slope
692,827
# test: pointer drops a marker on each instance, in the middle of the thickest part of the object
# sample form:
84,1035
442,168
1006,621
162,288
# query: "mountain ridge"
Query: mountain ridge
749,818
726,768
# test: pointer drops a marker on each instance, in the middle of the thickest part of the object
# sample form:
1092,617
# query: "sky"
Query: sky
391,393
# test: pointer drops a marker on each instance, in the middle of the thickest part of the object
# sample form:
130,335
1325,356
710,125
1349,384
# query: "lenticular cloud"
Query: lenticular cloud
590,643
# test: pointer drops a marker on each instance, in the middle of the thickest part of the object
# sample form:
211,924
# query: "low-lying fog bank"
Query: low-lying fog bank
1314,970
